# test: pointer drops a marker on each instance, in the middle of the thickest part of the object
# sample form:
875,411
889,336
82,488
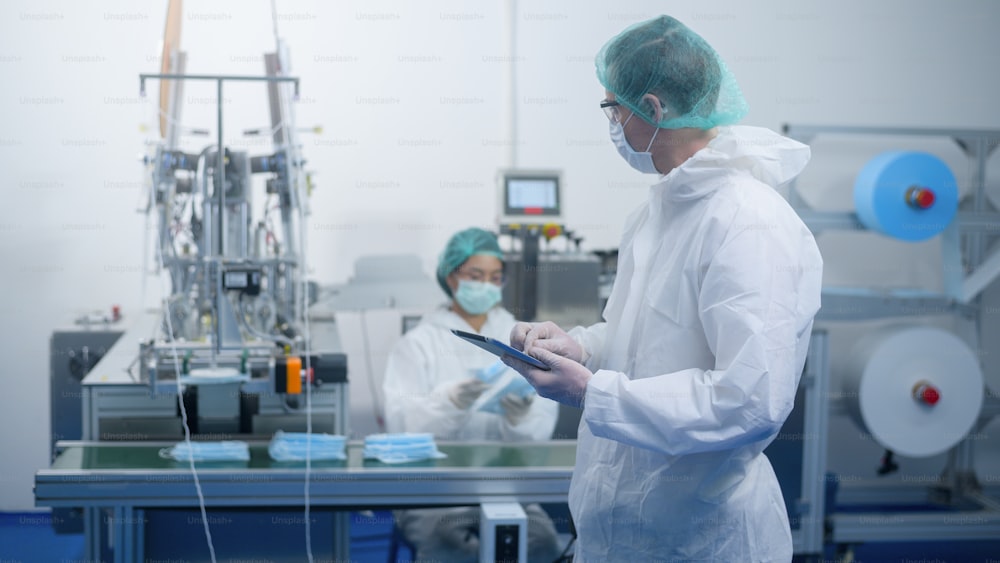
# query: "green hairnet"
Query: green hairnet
463,245
664,58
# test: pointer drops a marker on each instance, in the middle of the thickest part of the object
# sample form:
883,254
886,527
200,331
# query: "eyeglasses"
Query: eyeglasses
477,275
611,109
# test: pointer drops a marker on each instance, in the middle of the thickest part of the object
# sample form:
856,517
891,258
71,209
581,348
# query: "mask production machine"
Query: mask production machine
230,341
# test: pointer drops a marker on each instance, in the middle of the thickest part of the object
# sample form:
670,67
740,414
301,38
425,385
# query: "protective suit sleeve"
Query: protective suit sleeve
537,425
591,339
756,303
414,401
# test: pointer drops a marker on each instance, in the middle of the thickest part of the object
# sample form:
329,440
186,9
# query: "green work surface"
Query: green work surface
146,457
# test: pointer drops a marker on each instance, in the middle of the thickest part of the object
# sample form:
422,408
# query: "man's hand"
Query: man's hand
547,336
565,382
465,392
515,407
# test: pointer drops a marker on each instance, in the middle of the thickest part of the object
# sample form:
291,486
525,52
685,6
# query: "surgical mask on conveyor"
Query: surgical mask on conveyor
295,446
401,448
208,451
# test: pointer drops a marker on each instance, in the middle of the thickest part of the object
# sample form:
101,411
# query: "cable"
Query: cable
161,113
165,299
203,132
566,555
272,337
301,306
145,246
274,25
376,399
183,409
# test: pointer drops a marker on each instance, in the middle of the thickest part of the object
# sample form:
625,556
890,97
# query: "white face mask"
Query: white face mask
641,161
477,297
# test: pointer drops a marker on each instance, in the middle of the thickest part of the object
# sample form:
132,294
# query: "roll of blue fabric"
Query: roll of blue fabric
907,195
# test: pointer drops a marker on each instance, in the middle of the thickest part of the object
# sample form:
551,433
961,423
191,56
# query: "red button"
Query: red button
920,198
931,396
926,393
925,199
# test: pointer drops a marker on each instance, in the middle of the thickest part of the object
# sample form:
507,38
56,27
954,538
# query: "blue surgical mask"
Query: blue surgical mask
641,161
296,446
477,297
208,451
401,447
493,374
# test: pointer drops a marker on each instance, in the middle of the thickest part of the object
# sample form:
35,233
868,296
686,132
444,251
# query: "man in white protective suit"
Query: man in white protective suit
435,382
696,366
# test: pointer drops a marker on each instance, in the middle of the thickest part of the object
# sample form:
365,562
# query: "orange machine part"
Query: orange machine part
293,376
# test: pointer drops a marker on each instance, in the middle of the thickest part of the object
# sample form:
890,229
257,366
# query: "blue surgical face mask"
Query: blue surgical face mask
296,446
401,447
208,451
641,161
491,373
515,385
477,297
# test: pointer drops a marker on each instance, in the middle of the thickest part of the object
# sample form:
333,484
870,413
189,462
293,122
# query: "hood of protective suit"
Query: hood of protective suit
444,317
761,153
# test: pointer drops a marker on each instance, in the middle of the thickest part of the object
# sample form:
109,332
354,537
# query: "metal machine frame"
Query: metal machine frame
473,473
958,486
811,505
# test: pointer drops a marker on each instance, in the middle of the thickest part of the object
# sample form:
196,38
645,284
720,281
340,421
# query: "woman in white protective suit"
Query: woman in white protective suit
696,366
433,380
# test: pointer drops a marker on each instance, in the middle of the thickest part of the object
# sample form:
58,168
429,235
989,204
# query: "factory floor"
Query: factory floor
29,538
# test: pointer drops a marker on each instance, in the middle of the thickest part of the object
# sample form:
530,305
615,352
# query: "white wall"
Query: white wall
413,98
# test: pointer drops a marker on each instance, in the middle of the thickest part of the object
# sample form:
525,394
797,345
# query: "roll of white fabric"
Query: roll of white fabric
917,390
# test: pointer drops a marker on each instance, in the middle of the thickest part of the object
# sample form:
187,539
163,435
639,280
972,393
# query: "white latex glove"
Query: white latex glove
565,382
547,336
465,392
515,407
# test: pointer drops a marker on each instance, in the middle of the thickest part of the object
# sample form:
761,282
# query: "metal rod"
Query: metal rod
967,221
799,131
814,443
216,348
250,78
979,200
220,179
220,176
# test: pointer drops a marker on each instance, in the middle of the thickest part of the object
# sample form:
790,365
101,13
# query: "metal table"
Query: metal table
130,478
